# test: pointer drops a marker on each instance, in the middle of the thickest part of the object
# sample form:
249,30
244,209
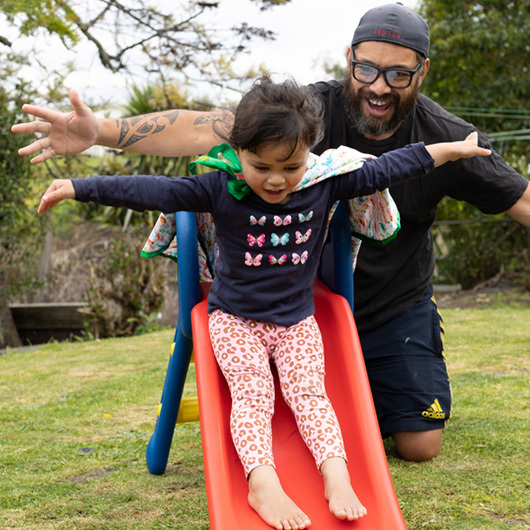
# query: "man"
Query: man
376,108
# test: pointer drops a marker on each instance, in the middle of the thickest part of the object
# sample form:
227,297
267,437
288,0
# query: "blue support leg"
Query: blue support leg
160,443
189,295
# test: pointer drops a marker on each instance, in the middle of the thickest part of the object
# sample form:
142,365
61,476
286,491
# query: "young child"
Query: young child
261,307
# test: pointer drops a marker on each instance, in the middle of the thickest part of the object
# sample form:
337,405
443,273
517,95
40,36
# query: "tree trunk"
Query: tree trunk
8,331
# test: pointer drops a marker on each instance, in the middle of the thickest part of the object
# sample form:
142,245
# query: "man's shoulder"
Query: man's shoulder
429,112
327,87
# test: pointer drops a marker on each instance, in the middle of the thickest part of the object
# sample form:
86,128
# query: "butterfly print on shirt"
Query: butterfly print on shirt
256,240
302,238
250,261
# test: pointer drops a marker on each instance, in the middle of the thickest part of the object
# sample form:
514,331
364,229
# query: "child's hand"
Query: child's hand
469,148
451,151
59,190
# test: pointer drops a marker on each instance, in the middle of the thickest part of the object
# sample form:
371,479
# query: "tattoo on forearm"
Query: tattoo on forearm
221,122
123,131
133,139
137,128
145,128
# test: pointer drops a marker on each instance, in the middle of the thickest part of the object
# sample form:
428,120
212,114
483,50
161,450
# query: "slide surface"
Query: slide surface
348,388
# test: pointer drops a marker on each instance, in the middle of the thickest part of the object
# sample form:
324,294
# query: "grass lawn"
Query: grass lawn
75,420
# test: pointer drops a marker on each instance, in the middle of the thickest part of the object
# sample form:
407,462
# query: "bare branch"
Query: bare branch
158,41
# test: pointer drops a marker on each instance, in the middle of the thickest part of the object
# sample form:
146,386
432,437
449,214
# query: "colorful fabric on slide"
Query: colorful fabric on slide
374,218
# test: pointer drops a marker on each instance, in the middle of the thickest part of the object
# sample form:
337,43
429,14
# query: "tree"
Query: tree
480,71
169,39
162,38
479,52
18,223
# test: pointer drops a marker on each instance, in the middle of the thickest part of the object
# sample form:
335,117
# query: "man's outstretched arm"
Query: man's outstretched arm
520,211
169,133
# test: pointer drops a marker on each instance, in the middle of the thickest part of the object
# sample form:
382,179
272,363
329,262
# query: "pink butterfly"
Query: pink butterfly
253,261
280,261
302,238
258,240
278,221
299,259
254,221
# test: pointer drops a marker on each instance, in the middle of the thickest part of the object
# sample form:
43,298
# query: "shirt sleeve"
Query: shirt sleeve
392,167
487,182
147,192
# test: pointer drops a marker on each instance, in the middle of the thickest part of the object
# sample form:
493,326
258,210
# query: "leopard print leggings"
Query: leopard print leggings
244,349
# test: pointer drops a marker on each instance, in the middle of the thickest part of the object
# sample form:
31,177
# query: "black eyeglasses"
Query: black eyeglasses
394,77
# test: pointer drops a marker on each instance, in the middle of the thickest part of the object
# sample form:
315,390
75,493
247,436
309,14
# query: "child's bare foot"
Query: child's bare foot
343,503
267,497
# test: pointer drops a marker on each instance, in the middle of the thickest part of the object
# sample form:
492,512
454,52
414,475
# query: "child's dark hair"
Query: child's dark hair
277,112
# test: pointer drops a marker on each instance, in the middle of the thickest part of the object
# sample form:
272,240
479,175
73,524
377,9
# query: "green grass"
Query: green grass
75,420
481,480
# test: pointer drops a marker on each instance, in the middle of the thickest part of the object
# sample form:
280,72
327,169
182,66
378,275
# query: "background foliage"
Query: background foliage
19,230
480,71
479,54
165,44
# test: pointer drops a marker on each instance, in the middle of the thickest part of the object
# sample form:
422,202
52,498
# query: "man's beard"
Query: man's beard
372,126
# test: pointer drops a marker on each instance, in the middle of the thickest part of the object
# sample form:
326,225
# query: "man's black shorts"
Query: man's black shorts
407,370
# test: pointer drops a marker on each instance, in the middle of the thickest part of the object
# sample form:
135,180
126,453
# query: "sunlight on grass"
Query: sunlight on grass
76,418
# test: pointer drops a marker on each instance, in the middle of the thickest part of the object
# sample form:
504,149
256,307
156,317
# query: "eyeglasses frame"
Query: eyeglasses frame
383,71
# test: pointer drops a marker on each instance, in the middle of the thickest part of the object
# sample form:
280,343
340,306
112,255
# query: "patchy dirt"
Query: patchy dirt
497,291
70,277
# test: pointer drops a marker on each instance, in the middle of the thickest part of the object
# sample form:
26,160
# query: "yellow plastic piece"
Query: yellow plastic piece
189,410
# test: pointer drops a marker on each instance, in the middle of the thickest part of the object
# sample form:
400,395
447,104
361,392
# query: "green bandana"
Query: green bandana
238,188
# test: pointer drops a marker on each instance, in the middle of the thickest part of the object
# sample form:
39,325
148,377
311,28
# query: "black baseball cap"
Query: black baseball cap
396,24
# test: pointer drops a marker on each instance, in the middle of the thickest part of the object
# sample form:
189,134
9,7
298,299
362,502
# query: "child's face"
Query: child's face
270,174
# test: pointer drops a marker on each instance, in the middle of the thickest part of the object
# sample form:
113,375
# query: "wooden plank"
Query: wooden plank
64,316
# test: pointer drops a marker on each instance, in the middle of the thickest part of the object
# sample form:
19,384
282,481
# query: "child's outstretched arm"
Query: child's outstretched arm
451,151
59,190
138,192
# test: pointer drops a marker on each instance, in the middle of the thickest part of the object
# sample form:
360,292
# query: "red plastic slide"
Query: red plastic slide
348,387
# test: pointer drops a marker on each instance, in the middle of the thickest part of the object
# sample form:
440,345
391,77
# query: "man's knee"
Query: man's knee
418,446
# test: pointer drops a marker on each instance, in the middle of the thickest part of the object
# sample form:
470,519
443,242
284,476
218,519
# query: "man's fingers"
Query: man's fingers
45,155
37,145
77,103
40,112
47,202
31,127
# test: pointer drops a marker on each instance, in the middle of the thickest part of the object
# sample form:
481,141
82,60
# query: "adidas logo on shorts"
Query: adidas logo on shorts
434,412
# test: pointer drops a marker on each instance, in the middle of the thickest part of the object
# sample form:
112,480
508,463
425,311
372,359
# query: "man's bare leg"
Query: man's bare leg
343,503
418,446
272,504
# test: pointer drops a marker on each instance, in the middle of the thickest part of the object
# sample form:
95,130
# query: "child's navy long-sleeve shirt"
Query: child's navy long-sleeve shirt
268,253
